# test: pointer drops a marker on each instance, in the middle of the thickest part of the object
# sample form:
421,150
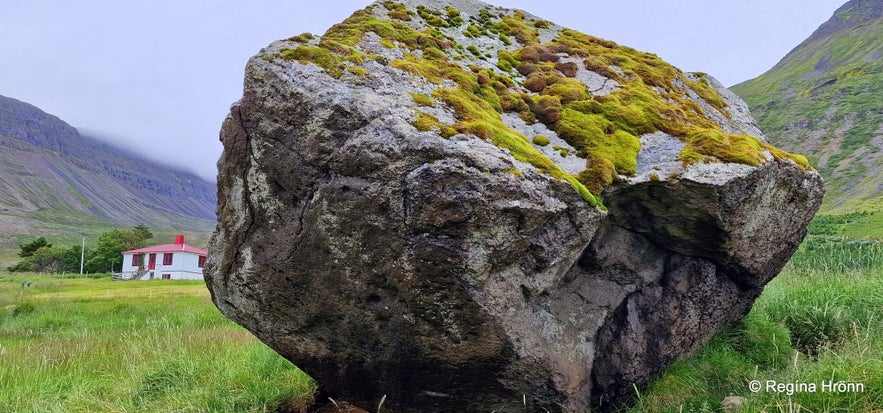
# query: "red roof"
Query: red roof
167,248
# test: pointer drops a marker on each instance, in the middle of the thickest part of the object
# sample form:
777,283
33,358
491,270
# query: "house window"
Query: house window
167,276
137,259
167,258
201,261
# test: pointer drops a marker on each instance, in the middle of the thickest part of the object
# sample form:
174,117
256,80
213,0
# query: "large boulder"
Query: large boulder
467,208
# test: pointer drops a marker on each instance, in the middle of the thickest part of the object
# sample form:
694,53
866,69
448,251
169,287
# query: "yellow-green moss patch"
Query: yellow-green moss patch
562,150
606,129
302,38
397,11
357,70
516,26
425,122
320,56
513,171
708,94
422,100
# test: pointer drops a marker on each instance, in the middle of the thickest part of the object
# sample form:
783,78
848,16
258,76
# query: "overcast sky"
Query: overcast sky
159,76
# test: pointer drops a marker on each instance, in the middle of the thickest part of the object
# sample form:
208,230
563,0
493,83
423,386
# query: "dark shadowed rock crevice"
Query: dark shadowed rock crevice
450,272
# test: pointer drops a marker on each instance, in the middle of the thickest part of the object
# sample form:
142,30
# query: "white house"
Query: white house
177,261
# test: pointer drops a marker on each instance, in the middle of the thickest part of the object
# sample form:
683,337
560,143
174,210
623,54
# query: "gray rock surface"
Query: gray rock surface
740,119
399,261
447,276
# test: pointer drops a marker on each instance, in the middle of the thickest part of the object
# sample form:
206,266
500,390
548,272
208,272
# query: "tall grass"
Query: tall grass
820,321
837,255
83,345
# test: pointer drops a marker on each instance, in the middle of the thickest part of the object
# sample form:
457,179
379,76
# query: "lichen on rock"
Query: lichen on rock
464,207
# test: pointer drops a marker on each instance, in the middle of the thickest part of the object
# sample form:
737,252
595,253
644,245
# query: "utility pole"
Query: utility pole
82,255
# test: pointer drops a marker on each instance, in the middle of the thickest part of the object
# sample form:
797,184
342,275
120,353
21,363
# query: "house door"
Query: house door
151,262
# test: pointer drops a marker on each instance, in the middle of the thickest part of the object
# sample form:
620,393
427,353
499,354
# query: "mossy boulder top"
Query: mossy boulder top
507,76
463,208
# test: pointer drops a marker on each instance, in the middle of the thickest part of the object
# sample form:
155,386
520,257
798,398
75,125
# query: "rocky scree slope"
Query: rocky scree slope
825,99
462,207
48,169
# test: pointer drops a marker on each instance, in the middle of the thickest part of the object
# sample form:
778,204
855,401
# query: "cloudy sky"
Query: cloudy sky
158,77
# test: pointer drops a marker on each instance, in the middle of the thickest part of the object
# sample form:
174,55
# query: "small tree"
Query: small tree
111,244
30,248
49,260
141,231
25,265
72,258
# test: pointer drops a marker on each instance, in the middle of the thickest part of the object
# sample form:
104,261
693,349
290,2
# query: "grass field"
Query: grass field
96,345
819,322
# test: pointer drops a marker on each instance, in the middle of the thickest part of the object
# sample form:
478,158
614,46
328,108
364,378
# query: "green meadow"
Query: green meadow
96,345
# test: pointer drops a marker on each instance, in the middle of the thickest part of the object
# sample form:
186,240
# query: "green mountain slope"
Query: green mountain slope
825,100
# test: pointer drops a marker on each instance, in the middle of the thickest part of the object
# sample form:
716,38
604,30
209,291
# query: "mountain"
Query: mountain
825,99
54,181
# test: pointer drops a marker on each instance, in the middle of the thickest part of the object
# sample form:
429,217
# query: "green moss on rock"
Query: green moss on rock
708,94
568,90
397,11
474,31
302,38
516,26
454,18
422,100
320,56
562,150
605,130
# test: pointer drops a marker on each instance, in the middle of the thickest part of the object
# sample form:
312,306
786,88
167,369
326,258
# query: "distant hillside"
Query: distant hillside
825,100
55,181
